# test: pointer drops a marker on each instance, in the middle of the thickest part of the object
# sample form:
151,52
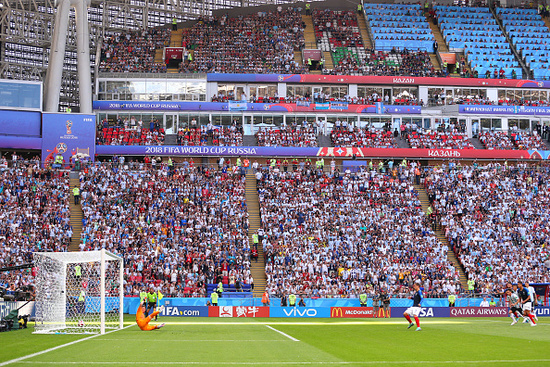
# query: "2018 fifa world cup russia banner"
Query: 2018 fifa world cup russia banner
71,135
479,311
352,312
238,311
172,150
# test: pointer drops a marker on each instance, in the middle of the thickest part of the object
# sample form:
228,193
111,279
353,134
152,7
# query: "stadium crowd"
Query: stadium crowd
496,219
430,139
330,234
263,42
34,213
362,137
394,63
177,228
130,131
287,137
132,52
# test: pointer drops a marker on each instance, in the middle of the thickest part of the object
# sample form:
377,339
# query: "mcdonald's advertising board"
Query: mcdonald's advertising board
351,312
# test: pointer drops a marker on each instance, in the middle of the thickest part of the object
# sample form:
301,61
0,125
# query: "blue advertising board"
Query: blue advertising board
185,311
542,311
426,312
337,107
70,135
504,110
299,312
20,123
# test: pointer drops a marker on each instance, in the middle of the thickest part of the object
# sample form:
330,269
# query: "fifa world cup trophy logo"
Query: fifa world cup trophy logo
68,125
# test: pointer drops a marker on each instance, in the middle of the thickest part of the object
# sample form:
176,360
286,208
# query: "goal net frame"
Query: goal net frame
78,292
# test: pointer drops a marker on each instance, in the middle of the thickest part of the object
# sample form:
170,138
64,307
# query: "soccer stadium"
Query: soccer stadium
274,183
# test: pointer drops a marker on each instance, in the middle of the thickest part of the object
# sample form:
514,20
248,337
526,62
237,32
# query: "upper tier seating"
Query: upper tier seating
134,51
475,31
337,31
530,36
263,42
399,26
382,63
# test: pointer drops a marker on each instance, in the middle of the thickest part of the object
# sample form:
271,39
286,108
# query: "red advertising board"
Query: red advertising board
351,312
429,153
238,311
479,311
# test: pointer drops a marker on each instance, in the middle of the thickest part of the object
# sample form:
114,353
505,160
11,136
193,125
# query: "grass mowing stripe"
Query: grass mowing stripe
283,334
20,359
263,363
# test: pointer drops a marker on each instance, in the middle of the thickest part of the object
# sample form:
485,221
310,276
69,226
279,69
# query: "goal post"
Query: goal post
78,292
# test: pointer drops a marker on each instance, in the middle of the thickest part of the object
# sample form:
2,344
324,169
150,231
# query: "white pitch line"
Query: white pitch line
203,340
283,334
221,363
308,323
17,360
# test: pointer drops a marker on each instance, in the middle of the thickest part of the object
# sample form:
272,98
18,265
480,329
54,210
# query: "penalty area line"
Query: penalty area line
283,334
20,359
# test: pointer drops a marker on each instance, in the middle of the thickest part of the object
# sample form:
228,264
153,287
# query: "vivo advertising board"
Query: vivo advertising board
185,311
299,312
425,312
542,311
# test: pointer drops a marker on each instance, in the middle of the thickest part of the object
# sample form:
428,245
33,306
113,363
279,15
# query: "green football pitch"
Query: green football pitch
289,342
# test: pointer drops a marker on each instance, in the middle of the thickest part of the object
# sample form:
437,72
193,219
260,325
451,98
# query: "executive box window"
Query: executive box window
522,95
491,124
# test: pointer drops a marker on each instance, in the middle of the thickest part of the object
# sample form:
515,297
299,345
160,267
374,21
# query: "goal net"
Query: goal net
78,292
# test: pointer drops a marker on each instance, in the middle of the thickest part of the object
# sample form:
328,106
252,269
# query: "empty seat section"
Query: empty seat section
475,31
399,26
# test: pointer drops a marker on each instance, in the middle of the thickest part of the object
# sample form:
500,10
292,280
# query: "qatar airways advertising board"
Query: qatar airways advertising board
479,311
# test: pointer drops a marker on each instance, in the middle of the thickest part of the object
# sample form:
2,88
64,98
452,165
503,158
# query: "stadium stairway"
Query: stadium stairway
171,139
423,197
329,64
298,57
441,45
547,22
250,140
402,143
159,56
476,143
435,61
363,28
309,32
257,269
324,141
76,213
176,38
